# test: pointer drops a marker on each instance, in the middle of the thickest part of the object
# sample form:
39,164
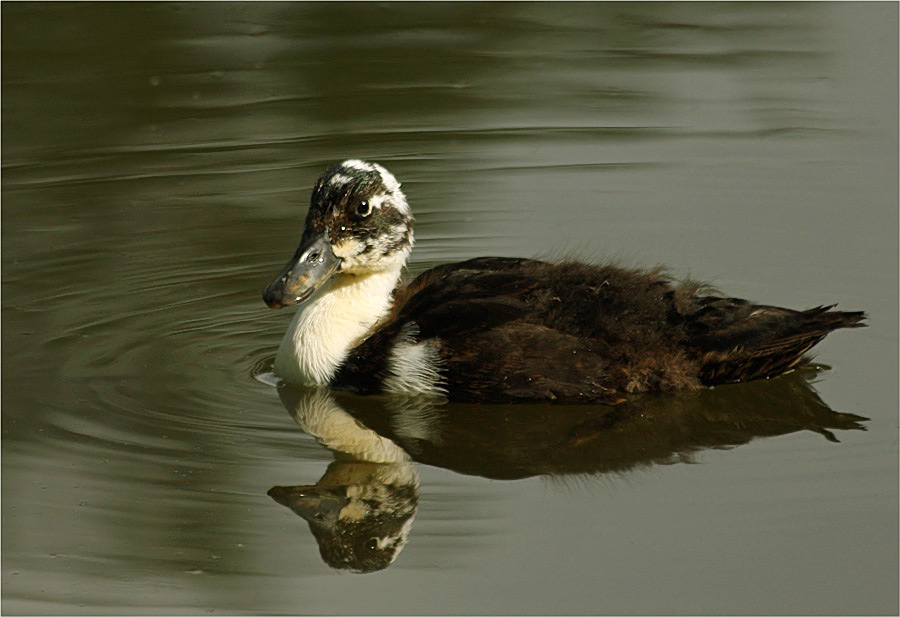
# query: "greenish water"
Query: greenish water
156,162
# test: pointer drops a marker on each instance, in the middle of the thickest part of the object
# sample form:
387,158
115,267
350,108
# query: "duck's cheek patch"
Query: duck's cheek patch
348,248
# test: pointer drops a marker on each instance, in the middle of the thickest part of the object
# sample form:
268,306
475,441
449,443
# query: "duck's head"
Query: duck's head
358,223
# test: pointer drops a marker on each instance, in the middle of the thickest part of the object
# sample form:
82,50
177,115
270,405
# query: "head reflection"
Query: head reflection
359,513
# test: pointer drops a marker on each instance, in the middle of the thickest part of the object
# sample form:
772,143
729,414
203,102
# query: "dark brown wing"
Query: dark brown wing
517,329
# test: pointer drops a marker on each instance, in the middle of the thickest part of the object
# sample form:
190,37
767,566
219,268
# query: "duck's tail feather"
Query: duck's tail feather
758,342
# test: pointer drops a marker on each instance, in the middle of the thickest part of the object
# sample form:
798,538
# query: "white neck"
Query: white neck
332,323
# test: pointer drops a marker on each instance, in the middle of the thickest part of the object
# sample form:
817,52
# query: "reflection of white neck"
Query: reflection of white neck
331,323
318,414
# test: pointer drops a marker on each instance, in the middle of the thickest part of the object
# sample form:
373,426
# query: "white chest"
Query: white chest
331,323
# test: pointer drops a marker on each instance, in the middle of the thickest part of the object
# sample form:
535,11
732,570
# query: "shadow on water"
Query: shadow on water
361,510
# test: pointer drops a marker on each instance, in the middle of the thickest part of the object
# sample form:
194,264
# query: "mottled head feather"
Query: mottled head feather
363,212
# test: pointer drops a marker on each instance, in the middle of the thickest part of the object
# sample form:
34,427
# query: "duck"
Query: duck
506,329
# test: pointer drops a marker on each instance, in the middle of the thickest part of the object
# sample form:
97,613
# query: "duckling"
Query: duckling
497,329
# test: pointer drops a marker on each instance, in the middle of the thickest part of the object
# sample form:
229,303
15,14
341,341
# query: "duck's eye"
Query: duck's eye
364,208
372,544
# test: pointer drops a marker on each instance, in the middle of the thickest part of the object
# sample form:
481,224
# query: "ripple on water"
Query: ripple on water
157,358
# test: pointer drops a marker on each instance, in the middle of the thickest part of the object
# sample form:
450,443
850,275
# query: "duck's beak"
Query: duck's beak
312,265
320,506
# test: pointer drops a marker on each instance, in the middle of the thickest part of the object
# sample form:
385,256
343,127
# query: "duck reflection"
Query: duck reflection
362,509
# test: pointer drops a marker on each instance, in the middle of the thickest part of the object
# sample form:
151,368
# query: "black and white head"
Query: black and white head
358,223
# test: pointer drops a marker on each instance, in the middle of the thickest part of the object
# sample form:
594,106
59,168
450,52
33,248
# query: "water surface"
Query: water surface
157,160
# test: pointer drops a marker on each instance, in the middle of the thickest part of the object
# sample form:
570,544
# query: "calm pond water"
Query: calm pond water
157,160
